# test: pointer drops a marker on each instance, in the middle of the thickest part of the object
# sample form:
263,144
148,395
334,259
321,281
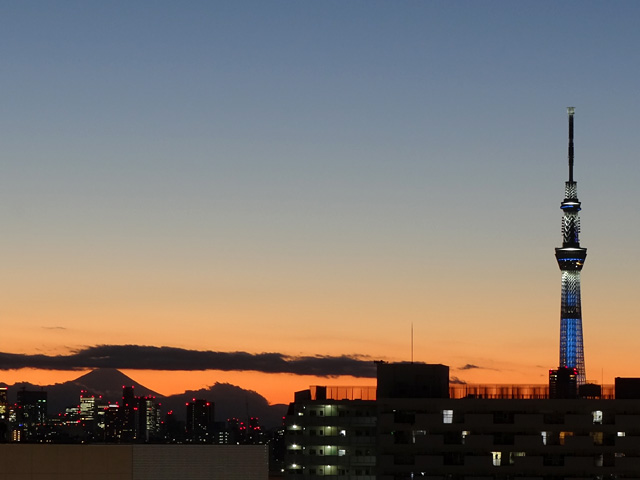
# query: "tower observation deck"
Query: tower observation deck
570,259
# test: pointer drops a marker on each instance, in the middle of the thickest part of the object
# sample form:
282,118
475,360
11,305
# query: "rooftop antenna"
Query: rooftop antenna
571,111
411,342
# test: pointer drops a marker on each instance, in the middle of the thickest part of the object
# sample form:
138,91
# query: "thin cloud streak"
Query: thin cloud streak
139,357
469,366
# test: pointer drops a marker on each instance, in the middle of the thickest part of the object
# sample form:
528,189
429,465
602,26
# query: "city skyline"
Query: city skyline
314,179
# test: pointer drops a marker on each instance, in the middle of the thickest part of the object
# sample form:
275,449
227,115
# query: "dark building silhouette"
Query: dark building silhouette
255,435
129,421
563,383
237,431
627,388
200,421
172,429
408,380
31,415
111,419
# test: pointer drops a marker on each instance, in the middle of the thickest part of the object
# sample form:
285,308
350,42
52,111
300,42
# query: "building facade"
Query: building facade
416,426
503,432
331,432
508,438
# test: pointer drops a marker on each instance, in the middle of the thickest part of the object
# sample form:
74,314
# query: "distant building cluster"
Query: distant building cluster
133,419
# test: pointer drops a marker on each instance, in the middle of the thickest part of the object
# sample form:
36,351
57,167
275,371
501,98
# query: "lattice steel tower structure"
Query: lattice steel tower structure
570,259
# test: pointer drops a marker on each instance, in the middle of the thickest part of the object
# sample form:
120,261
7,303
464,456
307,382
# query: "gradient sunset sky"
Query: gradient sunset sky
311,178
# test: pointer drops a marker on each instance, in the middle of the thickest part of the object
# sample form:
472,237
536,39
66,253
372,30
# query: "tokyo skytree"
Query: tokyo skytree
570,259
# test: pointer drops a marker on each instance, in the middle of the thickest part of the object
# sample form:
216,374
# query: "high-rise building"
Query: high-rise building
4,403
111,419
571,257
200,419
138,418
331,432
255,435
87,406
31,414
129,416
563,383
149,418
4,415
32,406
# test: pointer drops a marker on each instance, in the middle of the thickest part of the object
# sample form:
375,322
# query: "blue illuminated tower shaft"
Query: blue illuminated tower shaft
571,258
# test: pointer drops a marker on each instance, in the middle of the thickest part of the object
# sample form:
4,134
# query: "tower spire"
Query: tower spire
571,259
571,111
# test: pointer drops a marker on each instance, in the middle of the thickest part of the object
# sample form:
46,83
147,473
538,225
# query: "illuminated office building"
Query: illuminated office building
4,404
88,407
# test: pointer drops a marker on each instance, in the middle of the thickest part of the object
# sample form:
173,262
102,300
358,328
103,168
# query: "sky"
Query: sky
274,194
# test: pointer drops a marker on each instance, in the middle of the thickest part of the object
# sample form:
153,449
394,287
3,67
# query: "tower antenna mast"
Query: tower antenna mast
571,111
571,257
411,342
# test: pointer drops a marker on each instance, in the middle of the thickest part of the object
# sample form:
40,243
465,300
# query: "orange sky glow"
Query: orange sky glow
312,179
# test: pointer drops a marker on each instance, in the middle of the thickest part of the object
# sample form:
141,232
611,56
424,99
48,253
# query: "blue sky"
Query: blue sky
377,163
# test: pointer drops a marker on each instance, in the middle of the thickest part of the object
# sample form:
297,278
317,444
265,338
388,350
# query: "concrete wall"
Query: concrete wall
133,462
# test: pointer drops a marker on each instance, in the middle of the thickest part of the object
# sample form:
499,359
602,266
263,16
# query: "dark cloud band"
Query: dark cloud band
169,358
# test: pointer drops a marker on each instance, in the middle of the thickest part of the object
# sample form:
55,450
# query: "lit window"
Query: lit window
417,433
497,457
545,436
514,455
596,437
447,416
342,452
621,434
597,416
564,435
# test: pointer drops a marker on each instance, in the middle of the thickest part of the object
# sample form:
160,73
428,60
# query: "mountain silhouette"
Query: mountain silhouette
108,383
230,400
